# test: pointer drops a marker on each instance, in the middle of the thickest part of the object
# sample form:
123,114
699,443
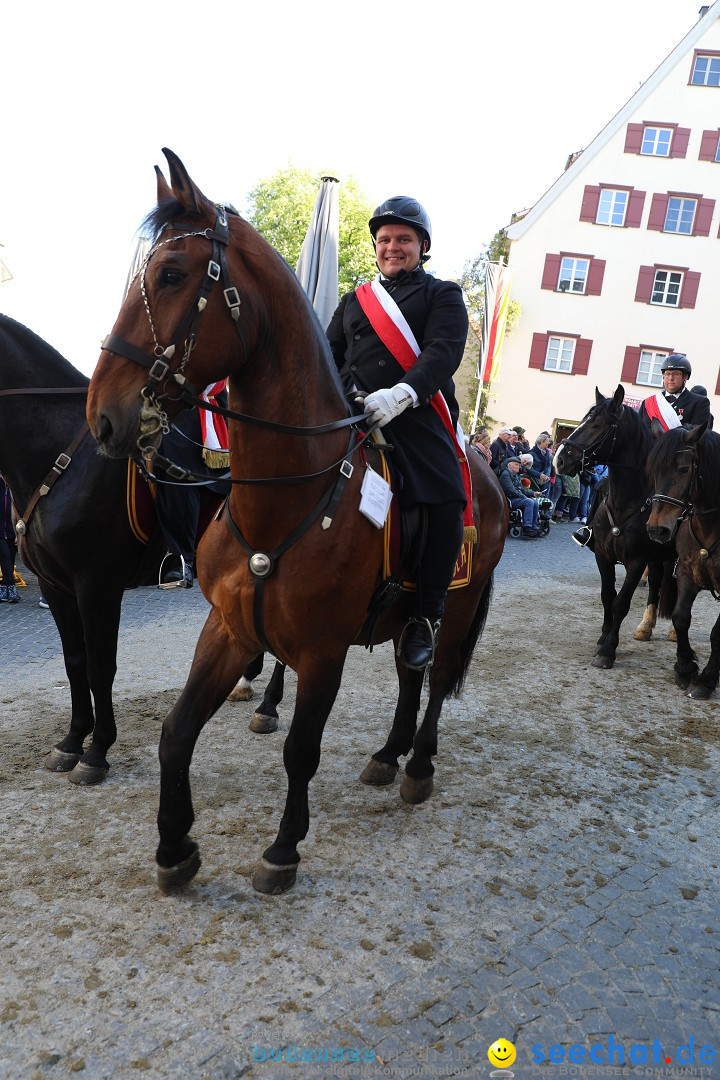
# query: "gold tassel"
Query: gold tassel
19,581
470,534
216,459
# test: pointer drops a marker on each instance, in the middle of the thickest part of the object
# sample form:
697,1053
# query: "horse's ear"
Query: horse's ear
656,428
164,190
598,397
695,433
619,396
183,188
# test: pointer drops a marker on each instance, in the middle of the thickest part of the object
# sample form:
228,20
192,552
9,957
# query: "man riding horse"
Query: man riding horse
400,341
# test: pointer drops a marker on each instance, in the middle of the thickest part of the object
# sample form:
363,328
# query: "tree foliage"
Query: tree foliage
280,207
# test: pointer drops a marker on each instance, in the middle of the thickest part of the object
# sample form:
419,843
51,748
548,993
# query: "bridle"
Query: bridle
687,505
154,420
590,455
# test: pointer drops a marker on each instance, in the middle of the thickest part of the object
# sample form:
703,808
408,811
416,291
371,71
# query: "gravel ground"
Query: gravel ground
559,888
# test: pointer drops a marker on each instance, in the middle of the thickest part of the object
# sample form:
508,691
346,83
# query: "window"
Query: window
706,70
573,274
680,215
612,207
648,372
656,141
559,355
666,288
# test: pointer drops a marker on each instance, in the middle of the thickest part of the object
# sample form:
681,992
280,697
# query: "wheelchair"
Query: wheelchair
515,526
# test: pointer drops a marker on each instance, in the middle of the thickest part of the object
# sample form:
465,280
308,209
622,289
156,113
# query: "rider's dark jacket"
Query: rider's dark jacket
692,409
424,453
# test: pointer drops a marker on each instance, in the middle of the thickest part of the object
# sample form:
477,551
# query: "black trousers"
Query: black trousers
444,541
7,560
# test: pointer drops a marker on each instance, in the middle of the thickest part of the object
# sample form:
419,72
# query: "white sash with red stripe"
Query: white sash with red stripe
215,451
658,408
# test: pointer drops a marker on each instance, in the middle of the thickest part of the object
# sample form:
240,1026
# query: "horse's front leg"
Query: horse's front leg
317,687
702,685
382,768
216,666
686,667
605,655
89,632
608,593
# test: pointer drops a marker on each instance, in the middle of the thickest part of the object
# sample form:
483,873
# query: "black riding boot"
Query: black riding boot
418,640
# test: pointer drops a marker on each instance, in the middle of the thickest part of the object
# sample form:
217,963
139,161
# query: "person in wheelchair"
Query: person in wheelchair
521,497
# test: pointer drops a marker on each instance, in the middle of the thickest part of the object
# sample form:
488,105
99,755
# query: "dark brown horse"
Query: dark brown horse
292,565
612,434
684,471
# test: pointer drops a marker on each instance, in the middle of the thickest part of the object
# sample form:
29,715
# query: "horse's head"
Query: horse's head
675,477
193,315
592,441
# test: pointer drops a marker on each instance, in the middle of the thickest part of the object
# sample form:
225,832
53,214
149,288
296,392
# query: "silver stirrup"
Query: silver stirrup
181,583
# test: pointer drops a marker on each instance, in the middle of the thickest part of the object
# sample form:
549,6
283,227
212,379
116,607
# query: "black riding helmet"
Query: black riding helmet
410,211
676,362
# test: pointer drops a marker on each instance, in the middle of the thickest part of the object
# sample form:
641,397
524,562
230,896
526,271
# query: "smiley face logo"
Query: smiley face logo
502,1053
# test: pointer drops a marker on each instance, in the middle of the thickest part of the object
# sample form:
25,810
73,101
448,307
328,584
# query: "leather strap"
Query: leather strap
61,465
46,390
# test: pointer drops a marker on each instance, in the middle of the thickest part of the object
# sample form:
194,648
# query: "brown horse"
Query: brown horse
291,565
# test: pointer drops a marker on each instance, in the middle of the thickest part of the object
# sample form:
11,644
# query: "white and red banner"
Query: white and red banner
497,299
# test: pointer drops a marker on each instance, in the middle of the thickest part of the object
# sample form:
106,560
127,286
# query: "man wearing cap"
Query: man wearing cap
522,446
399,340
675,405
502,448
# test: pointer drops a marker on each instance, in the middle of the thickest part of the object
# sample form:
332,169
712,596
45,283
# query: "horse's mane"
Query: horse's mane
14,334
663,459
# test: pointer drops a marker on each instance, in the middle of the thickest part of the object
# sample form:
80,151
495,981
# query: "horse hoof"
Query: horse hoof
172,878
241,693
378,773
415,791
672,634
642,635
699,693
603,662
263,725
61,761
87,775
272,879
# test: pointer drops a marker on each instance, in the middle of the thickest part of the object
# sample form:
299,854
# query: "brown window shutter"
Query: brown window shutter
717,385
680,141
690,286
634,138
631,363
595,276
538,350
633,214
658,210
709,144
590,203
646,278
703,217
551,271
581,360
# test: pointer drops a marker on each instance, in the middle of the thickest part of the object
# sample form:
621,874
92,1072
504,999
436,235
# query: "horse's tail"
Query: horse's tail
471,639
668,592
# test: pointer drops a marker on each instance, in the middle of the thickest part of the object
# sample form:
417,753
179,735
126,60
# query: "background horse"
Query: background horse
612,434
684,470
295,574
79,540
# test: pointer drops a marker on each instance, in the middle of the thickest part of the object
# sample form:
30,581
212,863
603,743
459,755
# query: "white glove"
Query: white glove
384,405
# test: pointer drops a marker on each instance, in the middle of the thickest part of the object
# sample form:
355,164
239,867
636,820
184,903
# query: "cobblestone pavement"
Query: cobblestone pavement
576,917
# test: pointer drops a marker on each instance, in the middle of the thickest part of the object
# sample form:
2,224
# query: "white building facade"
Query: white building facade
616,266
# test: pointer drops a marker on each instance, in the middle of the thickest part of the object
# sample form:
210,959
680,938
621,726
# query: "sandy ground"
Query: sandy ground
543,754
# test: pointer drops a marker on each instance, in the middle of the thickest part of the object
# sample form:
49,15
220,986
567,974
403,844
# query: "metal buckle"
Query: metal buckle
62,462
158,371
213,270
346,469
232,297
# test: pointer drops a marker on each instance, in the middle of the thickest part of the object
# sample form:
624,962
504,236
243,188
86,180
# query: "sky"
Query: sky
471,107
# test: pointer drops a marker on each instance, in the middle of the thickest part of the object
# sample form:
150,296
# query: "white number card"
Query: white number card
375,498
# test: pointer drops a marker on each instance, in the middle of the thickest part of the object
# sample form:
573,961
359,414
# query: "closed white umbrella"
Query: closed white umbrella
317,267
